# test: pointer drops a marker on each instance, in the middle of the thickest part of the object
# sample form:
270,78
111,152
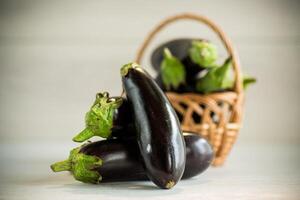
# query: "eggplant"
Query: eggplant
158,131
123,122
107,115
119,160
199,155
192,72
180,49
159,82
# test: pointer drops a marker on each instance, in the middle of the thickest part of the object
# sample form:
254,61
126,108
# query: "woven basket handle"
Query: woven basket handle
202,19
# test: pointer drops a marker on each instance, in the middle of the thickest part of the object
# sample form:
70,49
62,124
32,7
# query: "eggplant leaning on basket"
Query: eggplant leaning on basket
119,160
159,135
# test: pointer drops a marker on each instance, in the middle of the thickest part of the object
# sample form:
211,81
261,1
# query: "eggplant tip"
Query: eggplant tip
125,69
169,184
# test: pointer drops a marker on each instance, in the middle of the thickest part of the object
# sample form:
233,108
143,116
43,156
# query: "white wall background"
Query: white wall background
55,55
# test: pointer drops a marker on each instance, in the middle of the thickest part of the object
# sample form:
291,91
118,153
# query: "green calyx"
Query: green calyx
82,166
99,119
203,53
220,78
172,71
125,69
216,79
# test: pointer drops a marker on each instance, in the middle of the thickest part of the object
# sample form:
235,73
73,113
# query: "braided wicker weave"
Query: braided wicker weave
218,115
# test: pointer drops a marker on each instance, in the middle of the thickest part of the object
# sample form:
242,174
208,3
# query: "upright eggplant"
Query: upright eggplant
158,130
107,115
120,160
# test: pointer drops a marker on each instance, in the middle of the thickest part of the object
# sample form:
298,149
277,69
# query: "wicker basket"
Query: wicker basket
220,114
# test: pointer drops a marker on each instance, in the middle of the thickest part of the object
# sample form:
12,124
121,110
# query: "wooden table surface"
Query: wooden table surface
253,171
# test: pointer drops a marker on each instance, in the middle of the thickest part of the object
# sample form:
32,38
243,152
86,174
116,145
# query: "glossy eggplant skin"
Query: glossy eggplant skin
123,121
159,82
122,160
199,155
158,129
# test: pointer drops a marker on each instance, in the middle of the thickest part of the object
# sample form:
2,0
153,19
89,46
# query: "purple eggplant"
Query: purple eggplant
119,160
159,135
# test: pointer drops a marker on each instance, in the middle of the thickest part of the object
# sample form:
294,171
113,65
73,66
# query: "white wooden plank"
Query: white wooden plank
78,21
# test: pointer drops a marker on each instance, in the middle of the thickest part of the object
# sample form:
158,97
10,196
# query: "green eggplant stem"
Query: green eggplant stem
99,120
61,166
125,69
82,166
167,53
86,134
